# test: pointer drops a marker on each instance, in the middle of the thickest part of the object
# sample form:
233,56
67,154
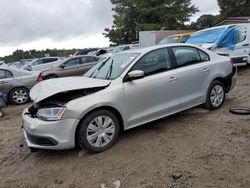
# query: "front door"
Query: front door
156,94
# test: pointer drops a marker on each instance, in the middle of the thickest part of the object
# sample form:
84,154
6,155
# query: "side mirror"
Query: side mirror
135,75
62,66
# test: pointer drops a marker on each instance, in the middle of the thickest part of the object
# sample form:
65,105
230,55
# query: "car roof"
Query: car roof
223,26
151,48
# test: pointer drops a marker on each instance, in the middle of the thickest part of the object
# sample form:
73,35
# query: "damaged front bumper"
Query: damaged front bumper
55,135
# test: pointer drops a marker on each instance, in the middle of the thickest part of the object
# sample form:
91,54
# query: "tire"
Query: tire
215,95
19,96
95,138
51,76
1,113
240,110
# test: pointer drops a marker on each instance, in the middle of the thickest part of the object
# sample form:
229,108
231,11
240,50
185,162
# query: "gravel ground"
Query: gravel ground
195,148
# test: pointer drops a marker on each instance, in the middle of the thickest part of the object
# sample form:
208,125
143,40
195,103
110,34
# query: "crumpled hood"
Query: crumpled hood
51,87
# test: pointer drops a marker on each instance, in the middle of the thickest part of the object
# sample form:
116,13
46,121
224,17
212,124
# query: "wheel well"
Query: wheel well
115,111
224,81
51,75
8,96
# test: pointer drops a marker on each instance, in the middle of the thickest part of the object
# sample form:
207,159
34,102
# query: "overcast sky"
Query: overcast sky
41,24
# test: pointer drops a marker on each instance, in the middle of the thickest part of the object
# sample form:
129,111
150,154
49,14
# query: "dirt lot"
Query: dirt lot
196,148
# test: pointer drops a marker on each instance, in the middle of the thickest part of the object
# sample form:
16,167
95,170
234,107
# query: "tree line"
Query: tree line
31,54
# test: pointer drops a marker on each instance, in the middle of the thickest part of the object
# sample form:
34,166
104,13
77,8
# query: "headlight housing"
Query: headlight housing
51,113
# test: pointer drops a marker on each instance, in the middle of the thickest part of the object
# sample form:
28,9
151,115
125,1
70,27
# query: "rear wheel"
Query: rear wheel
51,76
98,131
215,95
19,96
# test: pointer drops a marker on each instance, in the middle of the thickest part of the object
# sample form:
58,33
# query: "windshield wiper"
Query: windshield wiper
103,63
109,73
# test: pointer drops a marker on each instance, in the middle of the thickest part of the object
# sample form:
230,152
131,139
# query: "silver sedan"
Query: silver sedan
123,91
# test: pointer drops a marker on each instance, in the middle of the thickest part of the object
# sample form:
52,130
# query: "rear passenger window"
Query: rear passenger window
204,56
188,56
154,62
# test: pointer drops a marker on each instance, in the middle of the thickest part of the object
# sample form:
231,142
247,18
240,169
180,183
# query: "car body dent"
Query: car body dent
51,87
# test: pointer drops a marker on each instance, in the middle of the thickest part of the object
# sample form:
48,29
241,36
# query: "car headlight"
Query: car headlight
51,113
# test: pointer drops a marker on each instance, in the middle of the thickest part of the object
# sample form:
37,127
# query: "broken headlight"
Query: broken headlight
51,113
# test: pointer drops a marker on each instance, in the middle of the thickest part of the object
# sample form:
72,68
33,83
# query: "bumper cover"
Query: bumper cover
55,135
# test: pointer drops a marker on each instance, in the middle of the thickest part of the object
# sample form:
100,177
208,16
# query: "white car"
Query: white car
123,91
42,63
228,40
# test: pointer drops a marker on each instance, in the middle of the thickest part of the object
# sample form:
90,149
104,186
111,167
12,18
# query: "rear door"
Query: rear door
193,72
87,63
156,94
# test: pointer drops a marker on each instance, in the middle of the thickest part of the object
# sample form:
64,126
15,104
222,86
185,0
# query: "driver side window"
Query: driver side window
154,62
73,62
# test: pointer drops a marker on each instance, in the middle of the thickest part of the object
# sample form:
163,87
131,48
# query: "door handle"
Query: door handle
205,70
172,79
3,82
246,45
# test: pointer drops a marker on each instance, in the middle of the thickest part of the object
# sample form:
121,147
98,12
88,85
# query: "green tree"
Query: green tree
234,7
205,21
132,16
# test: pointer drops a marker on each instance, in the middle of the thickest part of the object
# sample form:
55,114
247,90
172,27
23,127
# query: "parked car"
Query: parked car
178,38
84,51
15,83
123,91
228,40
75,66
41,63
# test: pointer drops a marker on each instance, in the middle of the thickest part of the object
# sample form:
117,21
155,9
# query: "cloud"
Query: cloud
205,7
24,21
39,24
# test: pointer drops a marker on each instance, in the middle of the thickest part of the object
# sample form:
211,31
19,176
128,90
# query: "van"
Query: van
227,40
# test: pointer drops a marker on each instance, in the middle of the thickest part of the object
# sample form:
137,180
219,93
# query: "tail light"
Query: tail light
231,61
39,78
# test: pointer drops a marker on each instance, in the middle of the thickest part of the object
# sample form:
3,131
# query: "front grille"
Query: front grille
43,141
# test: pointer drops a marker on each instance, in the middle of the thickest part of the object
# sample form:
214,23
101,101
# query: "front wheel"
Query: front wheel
215,95
98,131
19,96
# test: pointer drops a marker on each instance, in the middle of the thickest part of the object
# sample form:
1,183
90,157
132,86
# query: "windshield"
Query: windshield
60,62
112,67
209,36
169,40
